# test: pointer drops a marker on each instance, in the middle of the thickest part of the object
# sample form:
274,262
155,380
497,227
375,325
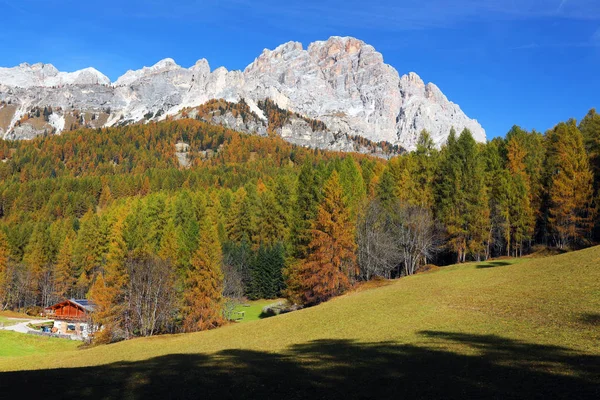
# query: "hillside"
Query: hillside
502,329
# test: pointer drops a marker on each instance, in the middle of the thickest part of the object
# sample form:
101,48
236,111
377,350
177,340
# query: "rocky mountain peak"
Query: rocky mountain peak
201,65
131,76
412,79
336,45
167,63
342,82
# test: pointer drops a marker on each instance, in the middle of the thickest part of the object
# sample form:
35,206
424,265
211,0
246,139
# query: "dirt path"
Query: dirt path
22,327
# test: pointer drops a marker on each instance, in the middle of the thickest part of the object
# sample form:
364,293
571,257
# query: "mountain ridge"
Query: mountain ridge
342,81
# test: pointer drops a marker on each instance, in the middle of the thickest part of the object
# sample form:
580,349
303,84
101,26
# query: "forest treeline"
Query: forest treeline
111,215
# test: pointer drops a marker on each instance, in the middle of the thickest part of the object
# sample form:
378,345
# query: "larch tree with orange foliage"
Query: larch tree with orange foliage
331,265
4,271
521,213
571,190
109,289
203,303
64,272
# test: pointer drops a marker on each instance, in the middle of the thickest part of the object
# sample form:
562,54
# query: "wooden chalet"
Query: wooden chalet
71,317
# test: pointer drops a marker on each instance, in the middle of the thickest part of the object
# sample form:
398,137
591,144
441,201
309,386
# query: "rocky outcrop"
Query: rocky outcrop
342,82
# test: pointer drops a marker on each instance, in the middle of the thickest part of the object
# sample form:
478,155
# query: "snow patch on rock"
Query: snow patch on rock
57,122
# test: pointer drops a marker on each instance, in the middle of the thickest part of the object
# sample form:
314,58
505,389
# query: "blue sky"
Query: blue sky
526,62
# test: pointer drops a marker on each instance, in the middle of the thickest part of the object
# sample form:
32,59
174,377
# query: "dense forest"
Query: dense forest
160,246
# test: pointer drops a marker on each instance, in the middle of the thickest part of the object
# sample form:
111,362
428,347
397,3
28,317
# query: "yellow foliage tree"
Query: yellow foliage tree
571,191
108,290
64,273
203,307
4,272
331,264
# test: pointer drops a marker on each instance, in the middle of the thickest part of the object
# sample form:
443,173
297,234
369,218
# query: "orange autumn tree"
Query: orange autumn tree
203,308
109,289
571,186
331,264
4,271
64,272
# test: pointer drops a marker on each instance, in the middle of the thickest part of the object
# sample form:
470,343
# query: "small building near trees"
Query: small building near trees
72,317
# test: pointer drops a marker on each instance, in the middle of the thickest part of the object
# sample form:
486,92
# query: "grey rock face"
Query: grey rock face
342,82
295,130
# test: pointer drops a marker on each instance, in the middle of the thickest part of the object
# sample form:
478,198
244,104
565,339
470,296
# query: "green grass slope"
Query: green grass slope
13,344
253,309
504,329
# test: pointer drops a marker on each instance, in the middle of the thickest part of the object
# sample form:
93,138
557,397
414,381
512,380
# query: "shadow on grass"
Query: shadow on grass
331,369
267,314
590,319
494,264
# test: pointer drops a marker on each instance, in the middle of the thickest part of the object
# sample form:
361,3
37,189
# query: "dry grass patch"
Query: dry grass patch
7,113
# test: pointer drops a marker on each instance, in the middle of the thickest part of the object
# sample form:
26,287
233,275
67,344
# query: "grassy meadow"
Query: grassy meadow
253,309
13,344
527,328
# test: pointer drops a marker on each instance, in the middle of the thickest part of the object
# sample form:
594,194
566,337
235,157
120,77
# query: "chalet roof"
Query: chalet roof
85,304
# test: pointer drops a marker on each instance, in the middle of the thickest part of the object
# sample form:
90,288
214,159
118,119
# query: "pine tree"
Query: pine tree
285,190
109,288
353,185
82,285
105,197
38,256
267,272
522,215
405,189
331,265
426,157
203,307
187,242
448,196
516,154
114,270
88,247
571,191
169,248
532,144
461,196
386,189
4,272
590,129
64,271
38,252
103,296
241,224
271,220
275,262
306,208
155,217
